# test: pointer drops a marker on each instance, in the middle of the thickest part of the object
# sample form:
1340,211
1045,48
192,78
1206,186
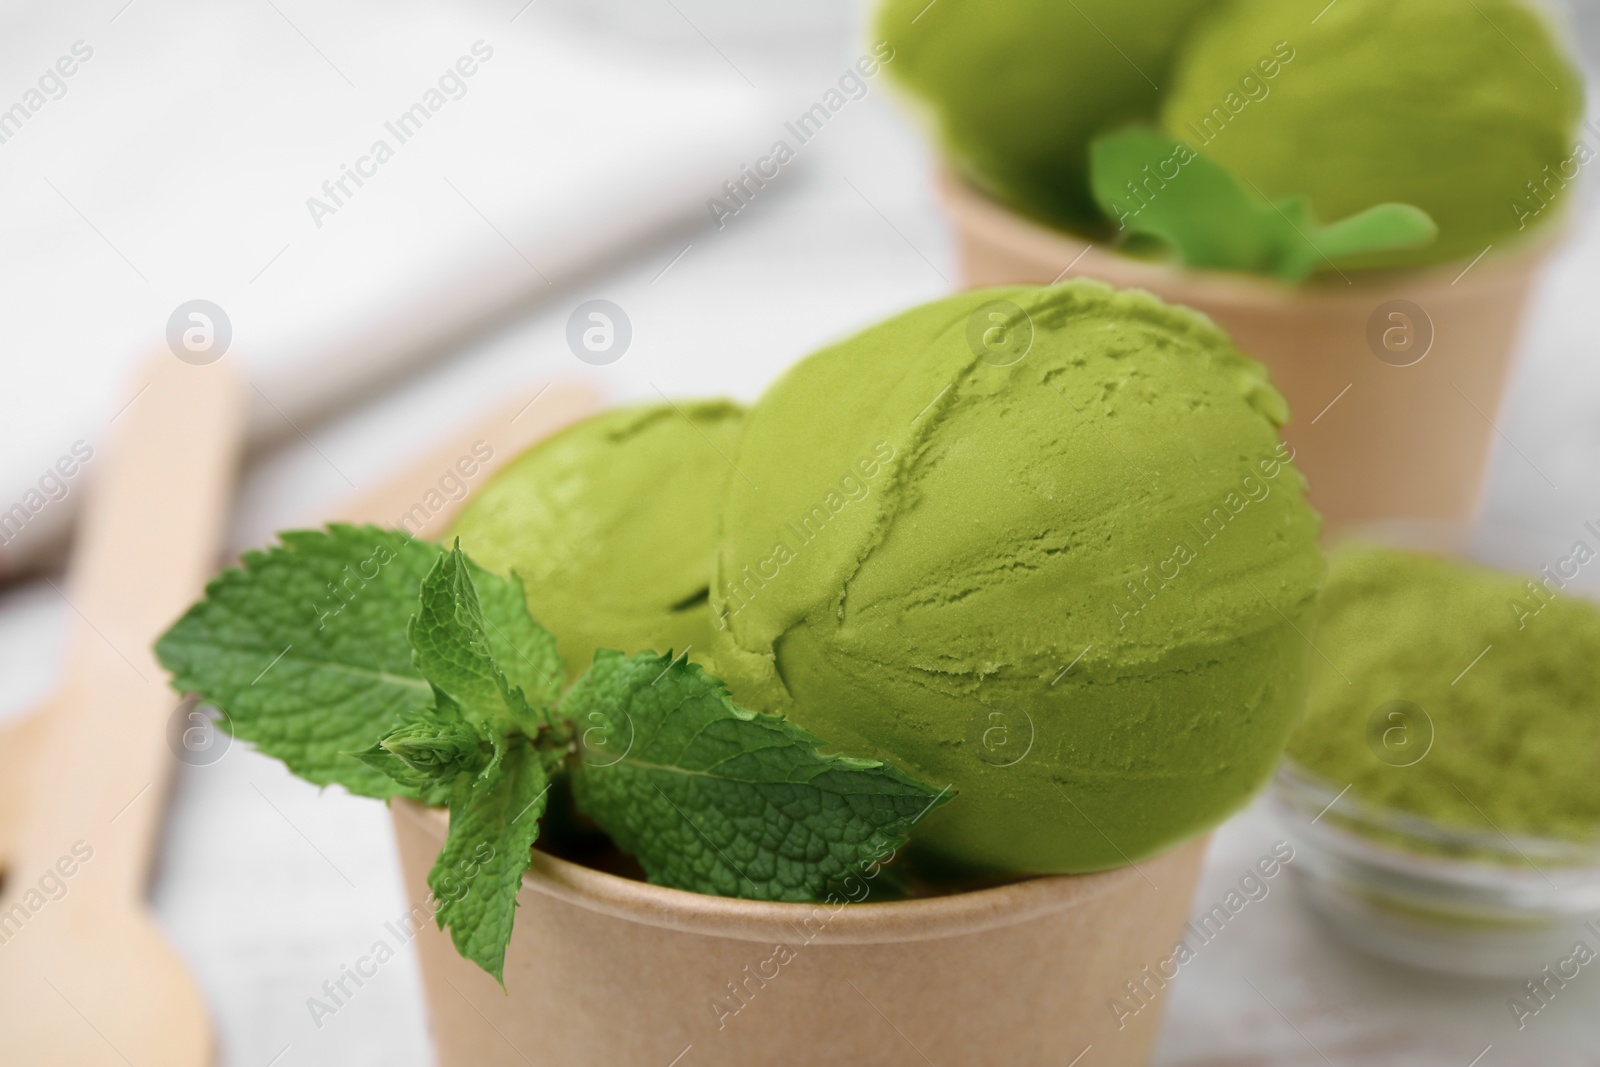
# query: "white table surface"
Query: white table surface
267,886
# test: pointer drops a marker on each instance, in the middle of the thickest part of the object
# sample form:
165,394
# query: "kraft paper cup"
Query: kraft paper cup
1394,378
606,970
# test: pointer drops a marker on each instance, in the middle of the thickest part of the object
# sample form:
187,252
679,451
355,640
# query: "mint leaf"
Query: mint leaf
714,798
1382,228
451,646
428,754
494,821
524,651
1151,184
1157,186
304,649
394,667
477,746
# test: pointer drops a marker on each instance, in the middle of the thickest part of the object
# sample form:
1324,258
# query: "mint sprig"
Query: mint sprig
430,752
450,646
302,650
427,677
1154,185
494,821
712,797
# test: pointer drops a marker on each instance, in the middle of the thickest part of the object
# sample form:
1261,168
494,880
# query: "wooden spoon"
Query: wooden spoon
418,498
86,962
86,977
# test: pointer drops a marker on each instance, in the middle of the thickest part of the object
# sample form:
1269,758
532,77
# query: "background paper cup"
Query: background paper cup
1393,378
607,970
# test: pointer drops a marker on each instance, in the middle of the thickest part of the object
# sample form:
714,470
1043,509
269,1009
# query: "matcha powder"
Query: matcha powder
1424,720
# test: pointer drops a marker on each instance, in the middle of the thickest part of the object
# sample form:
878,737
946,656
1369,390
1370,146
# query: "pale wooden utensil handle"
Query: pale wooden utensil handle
408,499
147,542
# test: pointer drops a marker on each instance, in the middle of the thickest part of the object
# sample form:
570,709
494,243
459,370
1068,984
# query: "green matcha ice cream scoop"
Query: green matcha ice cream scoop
1018,89
1464,110
609,524
1041,545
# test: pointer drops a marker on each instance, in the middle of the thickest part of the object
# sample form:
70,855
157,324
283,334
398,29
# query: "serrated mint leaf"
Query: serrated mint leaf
361,657
524,651
304,649
1156,186
431,752
713,798
494,821
451,648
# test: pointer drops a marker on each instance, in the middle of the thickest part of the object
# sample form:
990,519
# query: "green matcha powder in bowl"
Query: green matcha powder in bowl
1444,779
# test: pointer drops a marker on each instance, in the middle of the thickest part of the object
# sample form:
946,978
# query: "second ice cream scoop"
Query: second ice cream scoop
609,525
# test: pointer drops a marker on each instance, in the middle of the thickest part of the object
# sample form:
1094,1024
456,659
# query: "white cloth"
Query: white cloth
354,185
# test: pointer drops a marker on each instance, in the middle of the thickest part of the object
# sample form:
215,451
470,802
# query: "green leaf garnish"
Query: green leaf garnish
431,752
524,651
714,798
1153,185
494,821
450,641
304,650
430,679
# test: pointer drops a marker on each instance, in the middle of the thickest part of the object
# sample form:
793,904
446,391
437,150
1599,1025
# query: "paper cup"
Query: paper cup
1394,378
606,970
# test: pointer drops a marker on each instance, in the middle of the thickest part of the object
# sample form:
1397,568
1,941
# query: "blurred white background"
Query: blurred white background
187,147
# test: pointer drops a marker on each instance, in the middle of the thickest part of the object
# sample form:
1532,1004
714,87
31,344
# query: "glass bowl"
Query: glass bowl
1417,892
